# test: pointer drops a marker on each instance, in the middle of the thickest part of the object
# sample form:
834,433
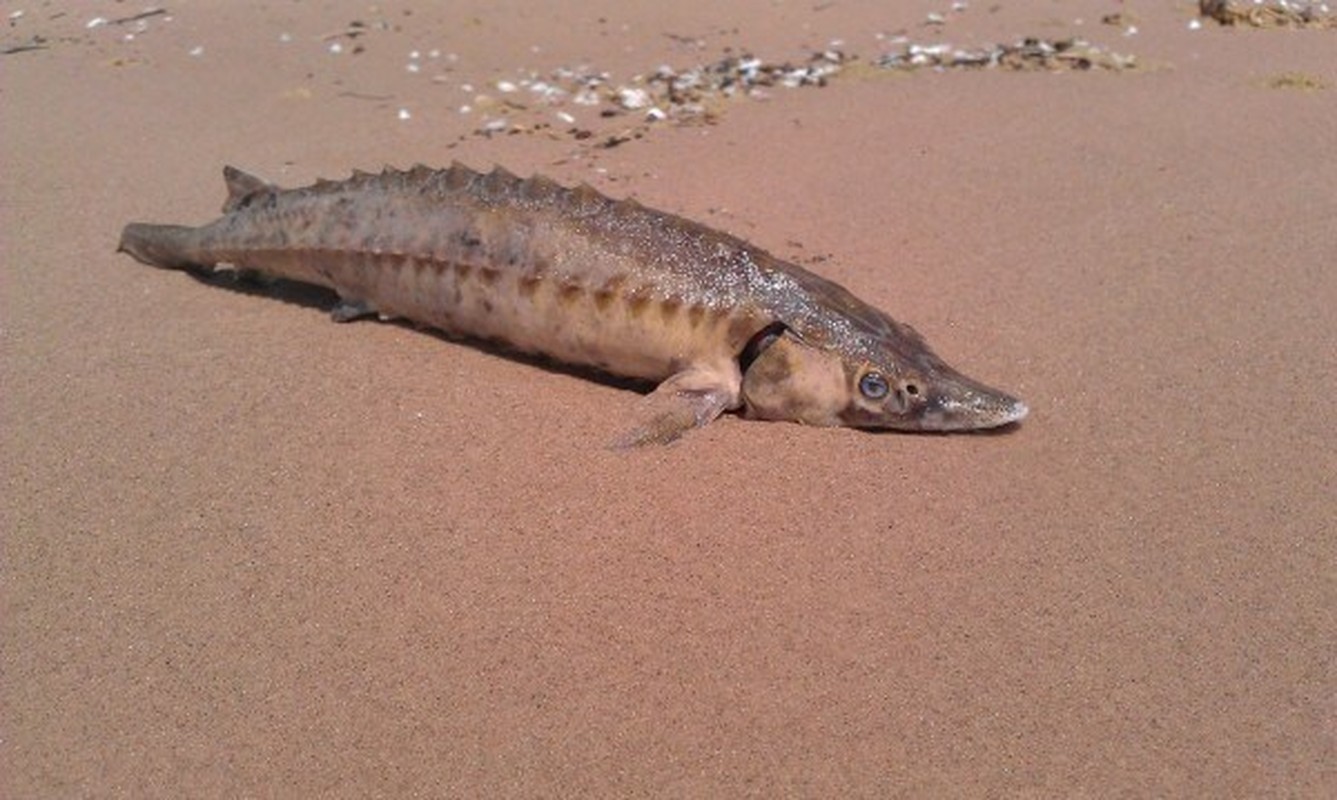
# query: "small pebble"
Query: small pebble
404,114
197,50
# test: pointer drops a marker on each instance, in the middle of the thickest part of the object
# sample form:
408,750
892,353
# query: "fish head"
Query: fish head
900,385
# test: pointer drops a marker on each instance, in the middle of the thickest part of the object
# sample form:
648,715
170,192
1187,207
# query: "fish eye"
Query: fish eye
873,385
912,389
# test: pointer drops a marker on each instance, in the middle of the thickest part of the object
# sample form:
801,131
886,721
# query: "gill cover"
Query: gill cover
788,379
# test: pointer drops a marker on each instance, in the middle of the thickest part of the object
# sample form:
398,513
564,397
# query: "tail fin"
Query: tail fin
159,245
172,246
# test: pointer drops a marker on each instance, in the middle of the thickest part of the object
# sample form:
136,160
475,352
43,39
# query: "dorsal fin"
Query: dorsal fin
242,188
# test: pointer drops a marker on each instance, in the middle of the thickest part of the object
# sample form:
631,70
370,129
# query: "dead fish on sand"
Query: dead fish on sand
588,280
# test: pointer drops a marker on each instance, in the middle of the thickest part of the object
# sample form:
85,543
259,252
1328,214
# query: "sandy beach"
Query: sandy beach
248,552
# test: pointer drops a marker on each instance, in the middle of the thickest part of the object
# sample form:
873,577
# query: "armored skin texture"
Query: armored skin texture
571,274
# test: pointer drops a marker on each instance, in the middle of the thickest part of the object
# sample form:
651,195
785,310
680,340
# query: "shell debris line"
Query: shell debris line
1270,13
699,94
692,95
585,103
1050,55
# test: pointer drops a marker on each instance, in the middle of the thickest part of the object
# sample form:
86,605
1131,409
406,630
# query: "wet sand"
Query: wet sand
250,552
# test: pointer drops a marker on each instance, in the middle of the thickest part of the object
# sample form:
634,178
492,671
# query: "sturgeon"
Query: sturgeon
582,278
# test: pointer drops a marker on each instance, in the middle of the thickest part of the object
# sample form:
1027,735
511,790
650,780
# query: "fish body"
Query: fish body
582,278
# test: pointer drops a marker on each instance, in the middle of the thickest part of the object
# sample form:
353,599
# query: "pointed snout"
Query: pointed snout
963,405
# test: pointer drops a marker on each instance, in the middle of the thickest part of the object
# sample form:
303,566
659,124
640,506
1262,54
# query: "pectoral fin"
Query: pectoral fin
689,399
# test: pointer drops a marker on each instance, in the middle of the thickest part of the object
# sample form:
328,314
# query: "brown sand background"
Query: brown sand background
248,552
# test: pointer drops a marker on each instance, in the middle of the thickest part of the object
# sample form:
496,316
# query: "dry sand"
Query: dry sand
248,552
